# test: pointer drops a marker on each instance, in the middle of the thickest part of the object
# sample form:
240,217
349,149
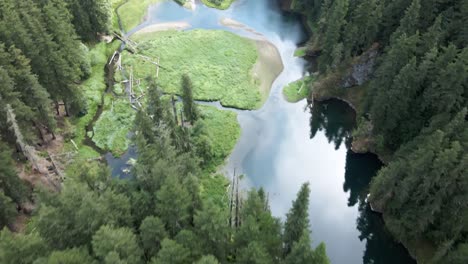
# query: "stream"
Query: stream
283,145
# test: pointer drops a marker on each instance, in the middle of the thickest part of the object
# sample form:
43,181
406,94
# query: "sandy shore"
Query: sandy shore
268,67
231,23
179,25
269,64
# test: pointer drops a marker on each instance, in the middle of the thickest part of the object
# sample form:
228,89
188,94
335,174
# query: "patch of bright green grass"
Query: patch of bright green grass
214,188
219,4
219,64
112,128
298,90
223,130
92,88
300,52
133,11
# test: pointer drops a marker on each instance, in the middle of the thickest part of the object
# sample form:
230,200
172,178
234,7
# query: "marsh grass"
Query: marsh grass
298,90
133,11
113,126
92,88
219,64
300,52
223,4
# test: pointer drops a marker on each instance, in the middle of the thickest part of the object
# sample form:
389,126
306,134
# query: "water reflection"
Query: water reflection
335,118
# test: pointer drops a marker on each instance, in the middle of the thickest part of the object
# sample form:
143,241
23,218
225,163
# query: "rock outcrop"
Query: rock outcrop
361,70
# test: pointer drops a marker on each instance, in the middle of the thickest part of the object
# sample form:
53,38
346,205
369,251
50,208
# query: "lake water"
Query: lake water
284,145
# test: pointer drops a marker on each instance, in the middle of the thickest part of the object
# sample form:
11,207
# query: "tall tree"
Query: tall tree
173,205
190,108
213,230
152,232
171,252
116,240
297,219
90,17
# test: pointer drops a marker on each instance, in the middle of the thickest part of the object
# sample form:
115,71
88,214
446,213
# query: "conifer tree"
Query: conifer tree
90,17
171,252
152,232
190,108
116,240
297,219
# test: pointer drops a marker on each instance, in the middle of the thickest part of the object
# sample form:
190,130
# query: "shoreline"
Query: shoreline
177,25
266,69
269,64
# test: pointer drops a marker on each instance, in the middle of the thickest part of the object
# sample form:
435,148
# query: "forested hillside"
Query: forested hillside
42,64
52,76
408,62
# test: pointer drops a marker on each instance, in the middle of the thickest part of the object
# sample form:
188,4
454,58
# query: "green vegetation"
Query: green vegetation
161,216
222,129
298,90
300,52
93,89
112,128
190,108
409,106
91,18
12,189
219,63
133,11
219,4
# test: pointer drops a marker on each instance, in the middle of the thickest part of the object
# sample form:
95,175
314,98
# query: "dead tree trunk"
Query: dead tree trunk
237,218
231,200
57,108
28,151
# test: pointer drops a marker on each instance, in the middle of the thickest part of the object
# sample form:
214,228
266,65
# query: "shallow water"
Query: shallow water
284,145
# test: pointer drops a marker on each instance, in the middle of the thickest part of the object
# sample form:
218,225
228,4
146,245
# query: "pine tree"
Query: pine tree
171,252
21,248
335,22
68,65
70,256
119,240
426,184
31,94
152,232
301,251
212,229
410,21
254,253
190,108
90,17
7,210
207,260
297,219
173,204
10,184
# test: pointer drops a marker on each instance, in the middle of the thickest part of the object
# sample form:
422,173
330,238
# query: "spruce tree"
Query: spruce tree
173,205
297,219
171,252
190,108
90,17
152,232
116,240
